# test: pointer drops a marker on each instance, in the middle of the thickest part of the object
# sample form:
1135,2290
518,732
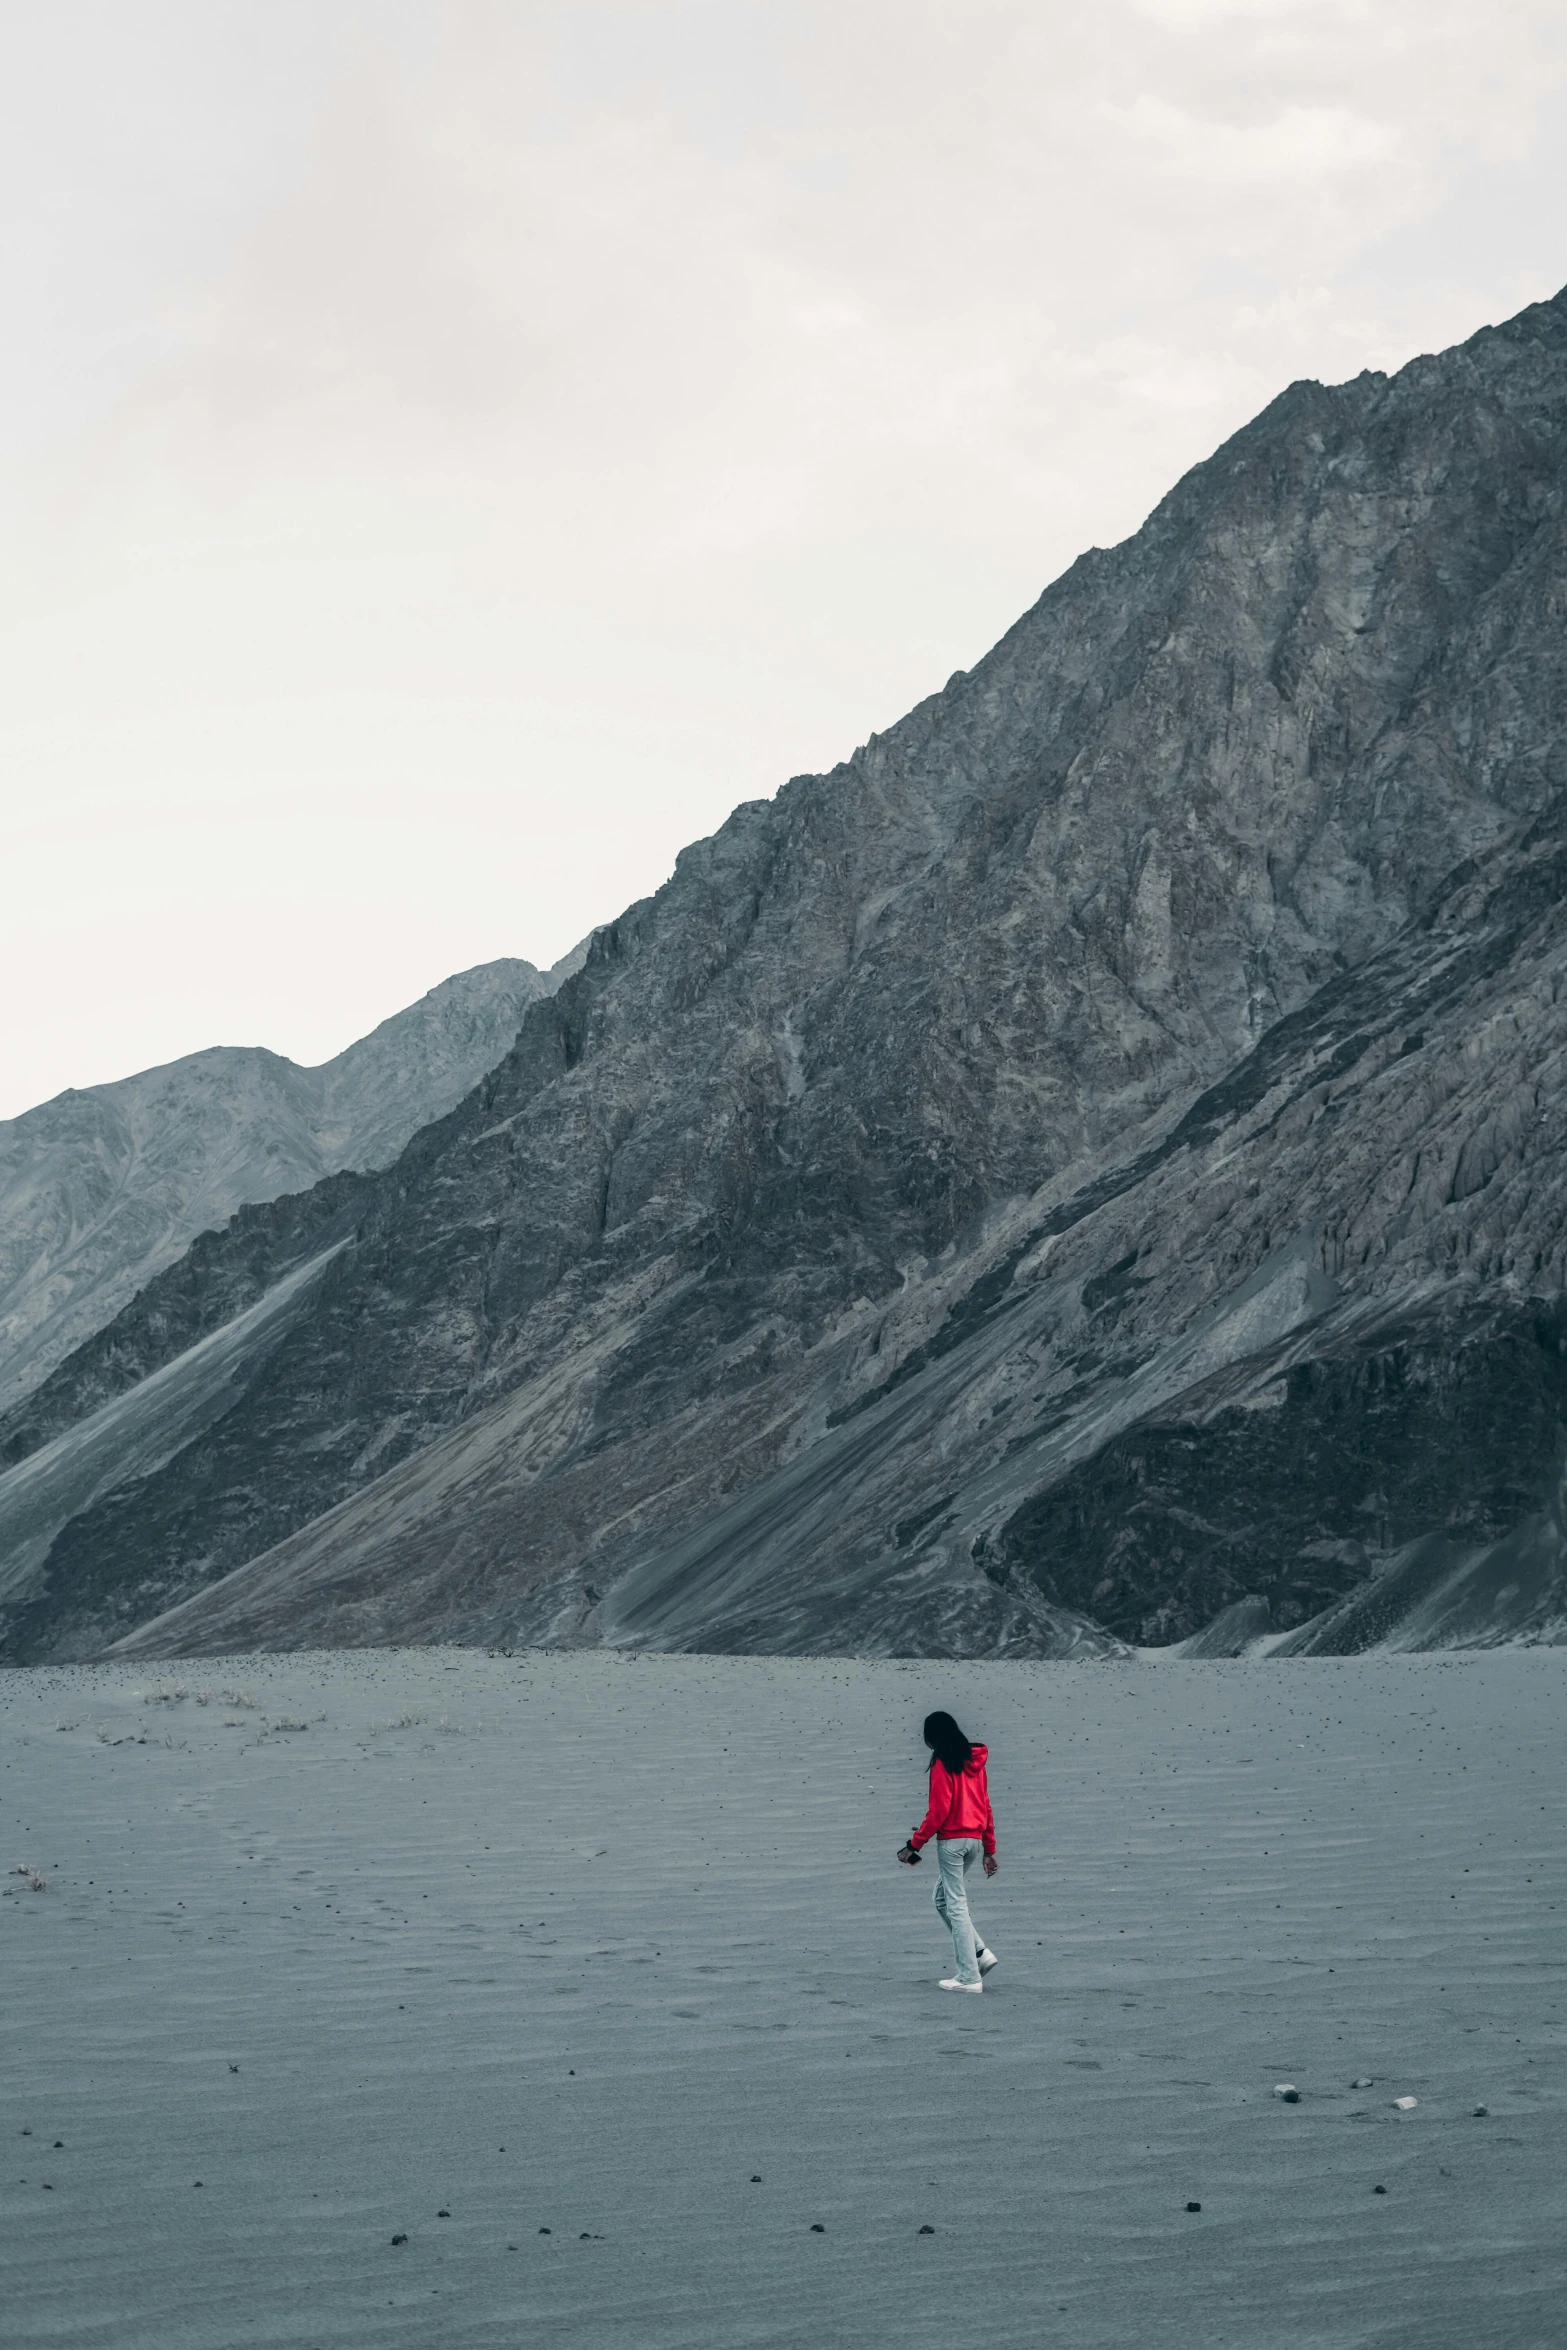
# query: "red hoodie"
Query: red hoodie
959,1803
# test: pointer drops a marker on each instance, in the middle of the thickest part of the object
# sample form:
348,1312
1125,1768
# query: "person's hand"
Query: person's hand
909,1857
991,1864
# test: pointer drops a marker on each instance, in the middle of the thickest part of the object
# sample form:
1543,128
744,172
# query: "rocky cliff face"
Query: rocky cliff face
103,1187
1085,1164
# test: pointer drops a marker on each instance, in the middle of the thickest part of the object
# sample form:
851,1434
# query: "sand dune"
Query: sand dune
615,1947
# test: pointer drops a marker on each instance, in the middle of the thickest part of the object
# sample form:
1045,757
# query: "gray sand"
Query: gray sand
637,1923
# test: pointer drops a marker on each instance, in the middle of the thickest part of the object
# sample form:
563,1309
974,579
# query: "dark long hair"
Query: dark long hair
947,1741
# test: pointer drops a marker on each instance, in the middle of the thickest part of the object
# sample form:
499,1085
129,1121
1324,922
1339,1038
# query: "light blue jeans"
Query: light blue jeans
955,1856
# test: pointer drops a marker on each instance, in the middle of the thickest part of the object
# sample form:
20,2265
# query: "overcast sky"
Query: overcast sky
451,453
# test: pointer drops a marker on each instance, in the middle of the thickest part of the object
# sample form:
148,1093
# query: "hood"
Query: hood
977,1760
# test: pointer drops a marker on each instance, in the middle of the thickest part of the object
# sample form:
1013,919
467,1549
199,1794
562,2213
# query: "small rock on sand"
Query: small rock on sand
1406,2104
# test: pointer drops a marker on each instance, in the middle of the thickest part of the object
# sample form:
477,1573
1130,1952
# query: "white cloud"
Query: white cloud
1186,15
1302,142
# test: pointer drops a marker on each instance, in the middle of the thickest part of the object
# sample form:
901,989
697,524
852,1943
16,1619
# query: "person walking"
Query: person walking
961,1820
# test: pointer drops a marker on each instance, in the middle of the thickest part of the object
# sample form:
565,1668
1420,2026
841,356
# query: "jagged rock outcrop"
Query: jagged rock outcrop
1088,1162
105,1185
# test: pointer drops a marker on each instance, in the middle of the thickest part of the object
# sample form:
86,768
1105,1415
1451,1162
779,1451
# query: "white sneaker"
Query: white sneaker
987,1959
951,1983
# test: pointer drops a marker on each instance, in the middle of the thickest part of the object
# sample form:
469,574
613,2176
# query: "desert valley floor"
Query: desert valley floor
462,1949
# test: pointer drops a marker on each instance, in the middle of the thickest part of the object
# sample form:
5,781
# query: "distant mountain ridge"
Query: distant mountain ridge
104,1186
1089,1170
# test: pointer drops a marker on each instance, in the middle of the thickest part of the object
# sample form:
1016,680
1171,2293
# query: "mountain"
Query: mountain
104,1186
1082,1170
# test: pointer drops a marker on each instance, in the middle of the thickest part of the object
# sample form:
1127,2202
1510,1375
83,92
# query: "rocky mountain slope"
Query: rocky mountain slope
104,1186
1086,1170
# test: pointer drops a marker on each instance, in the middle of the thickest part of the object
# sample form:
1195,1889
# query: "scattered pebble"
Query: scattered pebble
195,2182
1379,2190
1480,2112
443,2215
1288,2091
927,2229
1194,2207
1363,2081
402,2239
544,2231
233,2068
817,2229
756,2178
1406,2104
